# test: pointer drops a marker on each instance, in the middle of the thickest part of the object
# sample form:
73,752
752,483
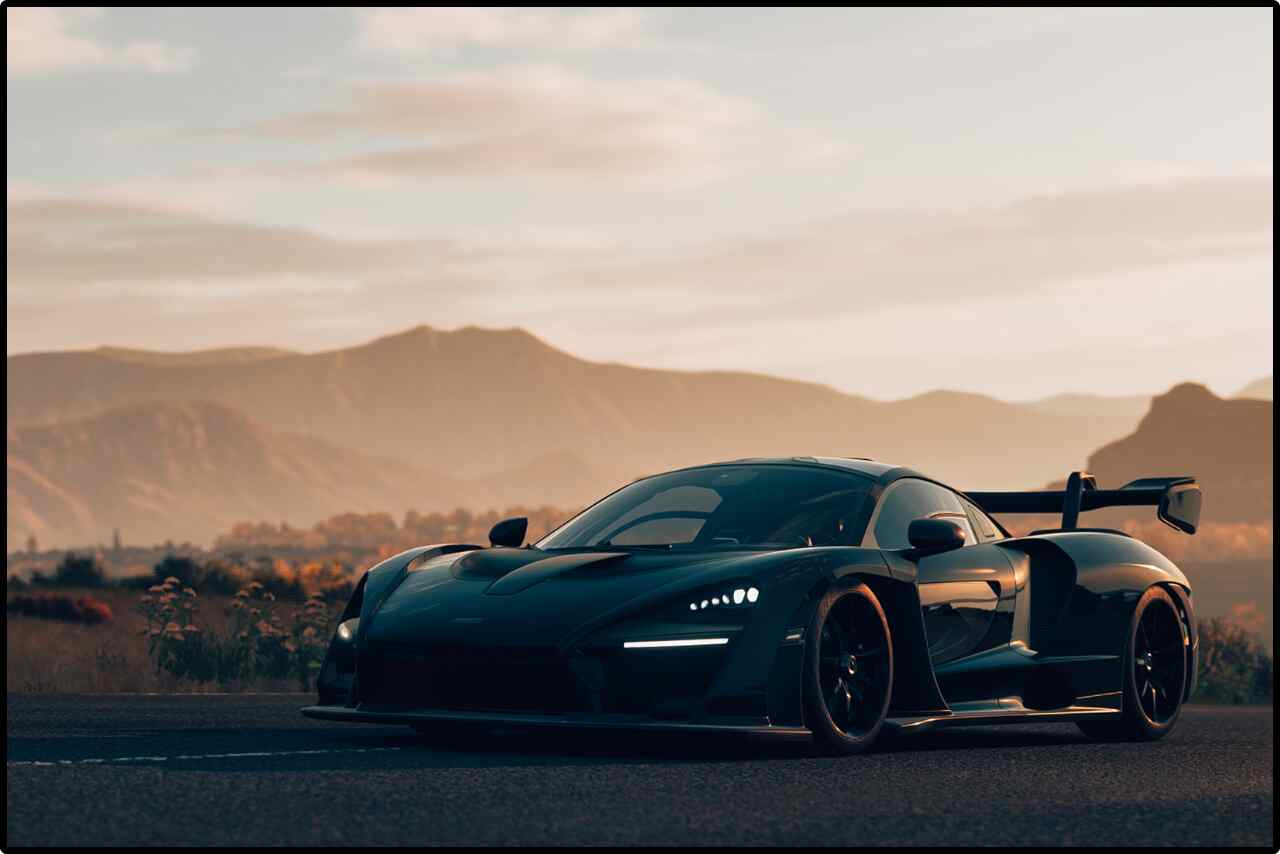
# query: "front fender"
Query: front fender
382,580
336,682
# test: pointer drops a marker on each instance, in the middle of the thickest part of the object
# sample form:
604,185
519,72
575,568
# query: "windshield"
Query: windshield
746,506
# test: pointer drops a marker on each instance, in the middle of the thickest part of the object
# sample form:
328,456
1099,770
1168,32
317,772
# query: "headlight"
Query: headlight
738,596
707,616
347,629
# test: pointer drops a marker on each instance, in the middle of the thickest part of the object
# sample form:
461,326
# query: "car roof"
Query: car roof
878,471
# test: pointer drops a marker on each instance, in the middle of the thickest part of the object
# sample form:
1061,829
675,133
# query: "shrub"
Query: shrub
1234,667
280,584
79,571
184,569
221,577
57,606
313,628
257,645
258,630
211,576
134,582
174,640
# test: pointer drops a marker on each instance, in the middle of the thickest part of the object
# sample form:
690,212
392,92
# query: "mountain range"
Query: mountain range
1257,390
1132,404
178,446
1227,444
187,471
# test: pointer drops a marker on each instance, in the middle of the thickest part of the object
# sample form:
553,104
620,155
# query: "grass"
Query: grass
57,657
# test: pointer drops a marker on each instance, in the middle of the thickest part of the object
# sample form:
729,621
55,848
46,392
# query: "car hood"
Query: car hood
535,598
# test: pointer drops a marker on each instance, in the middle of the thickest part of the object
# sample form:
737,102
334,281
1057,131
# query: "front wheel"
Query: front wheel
1154,674
848,670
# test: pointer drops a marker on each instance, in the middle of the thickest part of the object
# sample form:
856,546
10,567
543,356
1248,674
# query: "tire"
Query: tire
848,671
1154,674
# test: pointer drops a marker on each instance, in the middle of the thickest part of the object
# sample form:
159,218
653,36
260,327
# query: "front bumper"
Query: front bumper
624,723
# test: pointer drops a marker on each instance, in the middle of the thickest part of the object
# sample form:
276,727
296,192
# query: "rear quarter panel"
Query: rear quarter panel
1077,592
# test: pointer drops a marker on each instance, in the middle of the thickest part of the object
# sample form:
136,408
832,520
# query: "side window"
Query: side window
987,530
911,499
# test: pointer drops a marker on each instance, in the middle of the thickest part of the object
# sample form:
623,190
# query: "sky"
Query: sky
1013,202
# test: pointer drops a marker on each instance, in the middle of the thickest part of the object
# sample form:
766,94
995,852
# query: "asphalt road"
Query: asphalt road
152,770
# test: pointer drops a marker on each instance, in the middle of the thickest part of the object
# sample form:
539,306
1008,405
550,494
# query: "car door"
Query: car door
966,594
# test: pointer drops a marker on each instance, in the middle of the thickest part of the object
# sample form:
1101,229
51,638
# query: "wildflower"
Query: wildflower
187,591
172,581
190,628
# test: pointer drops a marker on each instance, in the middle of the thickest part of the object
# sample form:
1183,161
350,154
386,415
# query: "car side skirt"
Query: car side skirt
583,722
1002,715
903,724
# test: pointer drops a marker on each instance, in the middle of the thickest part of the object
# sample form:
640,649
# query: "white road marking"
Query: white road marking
196,756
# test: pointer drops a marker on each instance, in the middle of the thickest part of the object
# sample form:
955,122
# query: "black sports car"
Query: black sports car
809,597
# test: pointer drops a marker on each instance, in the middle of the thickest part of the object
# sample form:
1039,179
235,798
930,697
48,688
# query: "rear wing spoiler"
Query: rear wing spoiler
1177,499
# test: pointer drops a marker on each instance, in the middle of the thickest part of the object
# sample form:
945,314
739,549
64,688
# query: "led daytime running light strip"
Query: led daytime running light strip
665,644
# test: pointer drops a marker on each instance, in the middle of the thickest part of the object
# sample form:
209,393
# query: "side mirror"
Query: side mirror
509,532
928,536
1180,507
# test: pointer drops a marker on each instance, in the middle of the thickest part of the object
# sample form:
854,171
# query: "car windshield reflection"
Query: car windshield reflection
725,507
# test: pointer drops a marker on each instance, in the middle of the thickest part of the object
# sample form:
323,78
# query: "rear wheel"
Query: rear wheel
1154,675
848,675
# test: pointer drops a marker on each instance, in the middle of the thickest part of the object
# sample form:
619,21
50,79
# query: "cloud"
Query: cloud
76,254
58,244
52,40
831,299
847,263
868,259
170,278
444,29
526,121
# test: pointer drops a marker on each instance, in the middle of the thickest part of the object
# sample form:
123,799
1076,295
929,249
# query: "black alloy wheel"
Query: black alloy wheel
1154,673
849,670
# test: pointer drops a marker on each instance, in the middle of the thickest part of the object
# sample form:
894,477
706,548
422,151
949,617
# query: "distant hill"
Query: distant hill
1134,405
224,356
189,471
1226,444
562,479
1258,390
475,402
